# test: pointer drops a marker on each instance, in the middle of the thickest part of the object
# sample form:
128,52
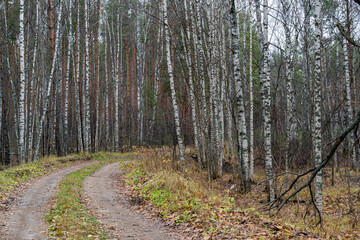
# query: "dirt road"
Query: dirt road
112,209
25,218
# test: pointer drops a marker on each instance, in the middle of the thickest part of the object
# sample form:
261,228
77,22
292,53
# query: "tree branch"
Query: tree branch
345,34
313,171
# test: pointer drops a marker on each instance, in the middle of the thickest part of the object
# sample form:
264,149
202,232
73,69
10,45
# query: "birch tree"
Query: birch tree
317,111
241,124
172,85
263,26
49,84
22,85
87,134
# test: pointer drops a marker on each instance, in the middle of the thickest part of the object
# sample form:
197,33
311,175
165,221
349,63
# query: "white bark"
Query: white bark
241,123
87,134
265,91
348,98
107,103
97,133
251,90
191,84
22,85
117,80
317,109
77,80
48,91
67,80
290,132
172,86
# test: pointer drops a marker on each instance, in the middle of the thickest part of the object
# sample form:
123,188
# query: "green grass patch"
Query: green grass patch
13,177
69,219
179,198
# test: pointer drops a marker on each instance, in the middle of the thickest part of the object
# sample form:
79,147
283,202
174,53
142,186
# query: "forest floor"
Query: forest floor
140,196
73,199
223,211
112,209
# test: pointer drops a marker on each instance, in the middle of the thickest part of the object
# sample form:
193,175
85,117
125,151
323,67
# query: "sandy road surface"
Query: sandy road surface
112,209
25,218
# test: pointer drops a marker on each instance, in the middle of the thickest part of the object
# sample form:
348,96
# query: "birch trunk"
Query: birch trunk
265,91
48,92
97,77
87,134
66,105
318,96
290,132
172,86
116,91
139,73
77,79
107,103
241,124
21,145
191,84
348,98
251,92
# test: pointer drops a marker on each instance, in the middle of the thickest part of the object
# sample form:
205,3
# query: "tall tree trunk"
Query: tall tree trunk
265,91
97,77
317,113
49,87
107,102
191,84
172,86
67,80
251,92
87,134
77,78
290,132
241,124
22,85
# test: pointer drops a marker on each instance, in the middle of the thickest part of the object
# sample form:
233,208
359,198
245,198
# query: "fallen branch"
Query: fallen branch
313,171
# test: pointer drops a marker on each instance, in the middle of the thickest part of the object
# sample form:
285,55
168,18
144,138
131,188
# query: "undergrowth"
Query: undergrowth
186,200
69,218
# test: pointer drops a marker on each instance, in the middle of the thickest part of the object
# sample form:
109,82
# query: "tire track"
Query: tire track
25,219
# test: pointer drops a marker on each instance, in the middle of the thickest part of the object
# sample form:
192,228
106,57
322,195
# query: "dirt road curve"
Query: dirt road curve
112,210
24,220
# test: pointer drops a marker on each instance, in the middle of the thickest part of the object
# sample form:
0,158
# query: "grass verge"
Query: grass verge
69,218
188,202
12,178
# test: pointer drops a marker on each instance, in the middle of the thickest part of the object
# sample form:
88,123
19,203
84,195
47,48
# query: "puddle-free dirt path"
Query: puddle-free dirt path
25,218
112,210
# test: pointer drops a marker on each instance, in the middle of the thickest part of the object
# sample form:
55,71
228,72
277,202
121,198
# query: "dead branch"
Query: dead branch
278,203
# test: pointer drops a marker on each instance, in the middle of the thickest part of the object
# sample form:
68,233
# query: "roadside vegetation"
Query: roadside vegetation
12,178
185,199
69,218
222,210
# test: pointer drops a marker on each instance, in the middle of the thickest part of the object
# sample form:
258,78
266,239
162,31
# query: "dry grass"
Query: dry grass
341,209
186,200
